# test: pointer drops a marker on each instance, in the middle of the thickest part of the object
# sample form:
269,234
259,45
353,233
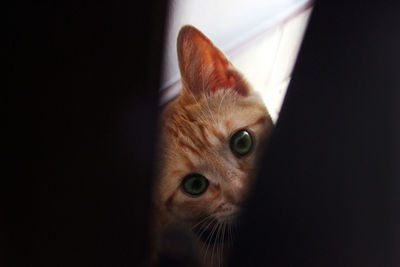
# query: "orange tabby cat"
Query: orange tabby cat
211,136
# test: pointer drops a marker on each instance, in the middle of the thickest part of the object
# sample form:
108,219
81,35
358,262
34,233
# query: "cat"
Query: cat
211,136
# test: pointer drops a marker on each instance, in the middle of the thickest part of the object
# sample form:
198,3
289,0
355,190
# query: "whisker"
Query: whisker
220,245
209,110
197,102
230,235
223,242
209,238
216,241
204,228
201,221
222,99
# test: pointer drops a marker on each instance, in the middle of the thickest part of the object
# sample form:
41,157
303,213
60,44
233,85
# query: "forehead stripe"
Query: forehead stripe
218,134
189,147
203,134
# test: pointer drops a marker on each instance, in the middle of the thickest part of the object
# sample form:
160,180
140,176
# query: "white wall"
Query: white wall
260,37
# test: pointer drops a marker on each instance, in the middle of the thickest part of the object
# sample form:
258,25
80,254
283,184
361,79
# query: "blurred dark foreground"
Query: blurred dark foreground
82,103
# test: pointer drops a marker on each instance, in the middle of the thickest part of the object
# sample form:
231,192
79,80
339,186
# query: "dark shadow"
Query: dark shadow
328,191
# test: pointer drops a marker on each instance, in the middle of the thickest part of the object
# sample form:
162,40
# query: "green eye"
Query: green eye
241,143
195,184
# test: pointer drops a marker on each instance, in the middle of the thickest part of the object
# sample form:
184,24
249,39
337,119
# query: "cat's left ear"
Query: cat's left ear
204,67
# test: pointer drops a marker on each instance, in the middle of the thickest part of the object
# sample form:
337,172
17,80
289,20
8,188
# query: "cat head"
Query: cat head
211,136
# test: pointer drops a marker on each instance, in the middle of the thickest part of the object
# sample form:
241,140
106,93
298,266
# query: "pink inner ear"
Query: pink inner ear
202,63
220,75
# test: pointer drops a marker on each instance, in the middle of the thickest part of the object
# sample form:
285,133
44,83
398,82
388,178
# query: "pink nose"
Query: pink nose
234,196
230,197
234,191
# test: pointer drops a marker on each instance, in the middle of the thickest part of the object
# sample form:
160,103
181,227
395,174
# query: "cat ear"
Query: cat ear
204,68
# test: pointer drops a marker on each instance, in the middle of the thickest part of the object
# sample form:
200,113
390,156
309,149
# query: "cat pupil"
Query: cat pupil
241,143
195,184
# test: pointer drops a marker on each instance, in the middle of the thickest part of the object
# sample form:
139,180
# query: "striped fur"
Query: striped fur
195,132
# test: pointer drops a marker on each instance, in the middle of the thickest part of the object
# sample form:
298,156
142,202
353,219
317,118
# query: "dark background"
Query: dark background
82,106
83,78
328,193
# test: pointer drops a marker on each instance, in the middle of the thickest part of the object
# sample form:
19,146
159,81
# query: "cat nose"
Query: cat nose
233,196
229,196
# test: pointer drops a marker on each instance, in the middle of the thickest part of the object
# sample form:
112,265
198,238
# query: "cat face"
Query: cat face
211,136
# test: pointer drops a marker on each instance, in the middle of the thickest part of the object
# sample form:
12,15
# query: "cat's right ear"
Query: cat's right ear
204,68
